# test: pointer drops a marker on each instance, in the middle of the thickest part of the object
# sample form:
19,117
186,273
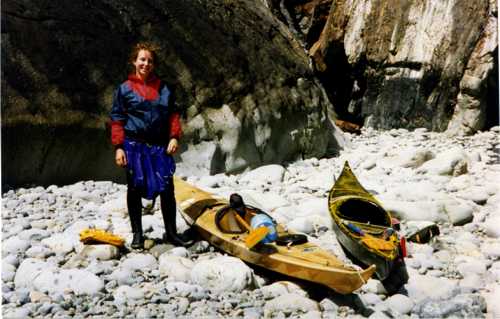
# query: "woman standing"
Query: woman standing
145,130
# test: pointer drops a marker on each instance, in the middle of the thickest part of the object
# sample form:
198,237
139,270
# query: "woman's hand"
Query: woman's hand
172,146
120,158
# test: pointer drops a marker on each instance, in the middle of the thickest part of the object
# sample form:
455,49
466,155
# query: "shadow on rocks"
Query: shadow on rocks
318,292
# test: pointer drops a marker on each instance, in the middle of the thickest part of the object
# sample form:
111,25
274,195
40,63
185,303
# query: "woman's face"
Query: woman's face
143,64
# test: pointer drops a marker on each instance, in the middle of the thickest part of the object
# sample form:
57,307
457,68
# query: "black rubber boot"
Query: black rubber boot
134,206
138,241
177,240
168,210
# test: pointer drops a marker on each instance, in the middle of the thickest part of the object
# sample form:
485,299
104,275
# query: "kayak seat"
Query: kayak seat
226,221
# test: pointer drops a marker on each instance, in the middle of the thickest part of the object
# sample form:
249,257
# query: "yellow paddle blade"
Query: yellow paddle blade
378,243
255,236
99,236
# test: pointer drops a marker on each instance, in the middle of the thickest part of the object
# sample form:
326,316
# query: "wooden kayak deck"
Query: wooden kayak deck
304,261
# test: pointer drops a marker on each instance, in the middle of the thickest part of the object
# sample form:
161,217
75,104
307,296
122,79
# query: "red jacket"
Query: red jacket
144,110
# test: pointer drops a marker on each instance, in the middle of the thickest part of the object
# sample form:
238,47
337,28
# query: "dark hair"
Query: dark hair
148,46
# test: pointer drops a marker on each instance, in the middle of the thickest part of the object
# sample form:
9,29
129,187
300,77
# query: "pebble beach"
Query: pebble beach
419,176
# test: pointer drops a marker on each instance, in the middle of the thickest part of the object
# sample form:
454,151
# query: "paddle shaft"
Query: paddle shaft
243,222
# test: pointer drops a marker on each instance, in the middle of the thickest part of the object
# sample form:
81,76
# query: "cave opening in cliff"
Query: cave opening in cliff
492,103
344,89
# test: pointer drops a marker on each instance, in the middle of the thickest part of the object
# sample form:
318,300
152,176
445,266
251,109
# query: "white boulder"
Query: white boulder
301,225
123,276
290,303
425,210
458,213
8,272
100,252
266,201
266,174
222,273
399,303
81,282
176,268
491,250
29,270
139,262
60,243
452,162
492,304
182,289
413,157
281,288
373,286
420,287
312,206
15,245
126,295
491,226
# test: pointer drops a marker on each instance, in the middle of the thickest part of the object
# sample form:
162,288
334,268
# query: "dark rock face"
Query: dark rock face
55,154
245,85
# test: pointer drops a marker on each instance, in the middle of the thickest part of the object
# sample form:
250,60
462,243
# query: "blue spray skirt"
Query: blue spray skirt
149,166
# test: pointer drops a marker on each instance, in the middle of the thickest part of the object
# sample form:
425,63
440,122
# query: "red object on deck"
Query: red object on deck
402,244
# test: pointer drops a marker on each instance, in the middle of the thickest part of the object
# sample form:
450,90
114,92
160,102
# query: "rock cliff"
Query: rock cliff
245,84
258,81
388,63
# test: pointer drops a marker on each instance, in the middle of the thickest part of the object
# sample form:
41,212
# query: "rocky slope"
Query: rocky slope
420,176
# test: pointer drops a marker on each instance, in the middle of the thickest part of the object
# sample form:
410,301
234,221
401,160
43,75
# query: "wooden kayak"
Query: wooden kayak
363,227
305,261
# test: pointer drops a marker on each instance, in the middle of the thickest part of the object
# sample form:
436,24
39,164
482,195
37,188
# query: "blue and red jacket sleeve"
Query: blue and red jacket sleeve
118,119
175,125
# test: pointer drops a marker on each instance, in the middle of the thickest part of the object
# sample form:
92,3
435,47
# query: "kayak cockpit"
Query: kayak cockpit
227,222
360,210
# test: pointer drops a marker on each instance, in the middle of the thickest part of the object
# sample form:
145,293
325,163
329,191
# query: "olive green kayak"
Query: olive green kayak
363,227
